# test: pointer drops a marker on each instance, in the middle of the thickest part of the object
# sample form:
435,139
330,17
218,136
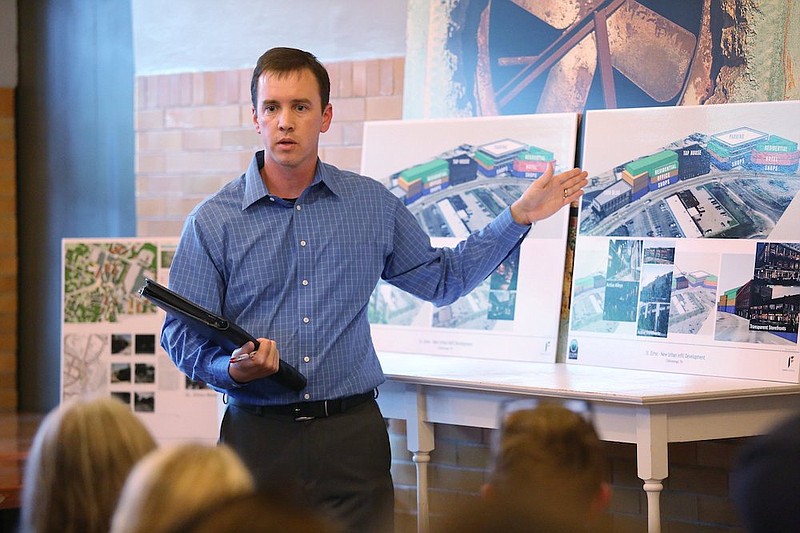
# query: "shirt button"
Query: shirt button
306,396
302,243
305,282
271,198
306,320
306,359
297,207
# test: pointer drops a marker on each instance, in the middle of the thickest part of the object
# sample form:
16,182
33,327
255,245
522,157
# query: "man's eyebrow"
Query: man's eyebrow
306,101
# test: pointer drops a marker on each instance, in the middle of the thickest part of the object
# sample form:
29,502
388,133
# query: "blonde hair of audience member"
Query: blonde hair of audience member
79,460
173,483
549,457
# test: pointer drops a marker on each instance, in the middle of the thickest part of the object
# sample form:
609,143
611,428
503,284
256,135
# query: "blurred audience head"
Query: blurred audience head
548,457
258,512
79,460
765,480
172,483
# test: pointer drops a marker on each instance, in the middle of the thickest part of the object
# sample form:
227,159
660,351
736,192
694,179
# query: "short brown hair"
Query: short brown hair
283,61
548,449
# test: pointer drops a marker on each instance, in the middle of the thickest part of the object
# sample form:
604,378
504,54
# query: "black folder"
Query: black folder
222,332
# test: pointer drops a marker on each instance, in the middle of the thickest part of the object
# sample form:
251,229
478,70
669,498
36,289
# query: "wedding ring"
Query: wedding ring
566,193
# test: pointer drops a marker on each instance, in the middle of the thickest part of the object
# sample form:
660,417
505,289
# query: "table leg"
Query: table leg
653,489
651,458
419,436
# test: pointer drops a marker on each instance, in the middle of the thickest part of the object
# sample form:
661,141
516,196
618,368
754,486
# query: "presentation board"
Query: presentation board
110,339
456,175
687,256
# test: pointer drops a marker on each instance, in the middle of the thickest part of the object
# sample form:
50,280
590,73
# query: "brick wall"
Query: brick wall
694,500
8,254
194,133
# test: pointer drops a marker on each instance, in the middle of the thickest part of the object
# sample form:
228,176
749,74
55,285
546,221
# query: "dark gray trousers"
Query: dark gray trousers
340,465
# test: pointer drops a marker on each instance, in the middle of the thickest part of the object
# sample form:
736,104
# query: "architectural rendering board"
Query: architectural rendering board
456,175
111,338
687,256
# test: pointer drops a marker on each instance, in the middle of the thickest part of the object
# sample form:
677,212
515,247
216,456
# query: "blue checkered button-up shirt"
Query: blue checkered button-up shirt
302,274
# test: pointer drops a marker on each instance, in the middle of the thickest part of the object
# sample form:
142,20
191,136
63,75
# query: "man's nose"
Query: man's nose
285,122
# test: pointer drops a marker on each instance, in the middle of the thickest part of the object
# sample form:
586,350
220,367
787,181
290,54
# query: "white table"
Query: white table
649,409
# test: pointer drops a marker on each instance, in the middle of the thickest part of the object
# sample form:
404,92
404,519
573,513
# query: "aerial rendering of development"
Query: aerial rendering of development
453,195
734,184
688,254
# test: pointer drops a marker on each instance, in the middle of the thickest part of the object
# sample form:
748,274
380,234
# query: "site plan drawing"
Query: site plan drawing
111,338
687,256
465,173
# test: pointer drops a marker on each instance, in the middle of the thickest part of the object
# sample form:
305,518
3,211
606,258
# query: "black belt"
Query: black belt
306,410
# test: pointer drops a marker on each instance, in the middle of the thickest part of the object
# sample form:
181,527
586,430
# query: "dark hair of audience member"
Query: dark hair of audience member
765,480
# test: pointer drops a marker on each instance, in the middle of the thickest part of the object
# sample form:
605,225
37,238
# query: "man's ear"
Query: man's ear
255,120
327,117
601,500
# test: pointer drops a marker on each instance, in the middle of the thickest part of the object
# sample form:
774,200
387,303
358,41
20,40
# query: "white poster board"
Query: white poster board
687,257
456,175
110,339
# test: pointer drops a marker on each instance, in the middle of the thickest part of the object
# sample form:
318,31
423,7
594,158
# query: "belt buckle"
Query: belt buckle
299,418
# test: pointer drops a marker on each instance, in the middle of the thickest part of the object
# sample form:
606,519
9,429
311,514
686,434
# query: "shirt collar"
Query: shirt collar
255,189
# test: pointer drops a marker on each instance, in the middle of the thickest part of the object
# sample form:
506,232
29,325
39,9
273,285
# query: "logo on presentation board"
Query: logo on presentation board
573,349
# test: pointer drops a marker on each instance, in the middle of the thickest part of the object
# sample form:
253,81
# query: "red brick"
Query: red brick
683,452
204,184
344,157
679,505
626,500
359,87
158,184
352,133
455,478
148,119
150,163
7,129
155,141
345,81
245,78
198,88
6,102
8,168
333,75
404,473
384,108
196,139
161,227
239,138
373,68
349,109
698,480
386,67
719,453
7,149
716,510
623,473
398,74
